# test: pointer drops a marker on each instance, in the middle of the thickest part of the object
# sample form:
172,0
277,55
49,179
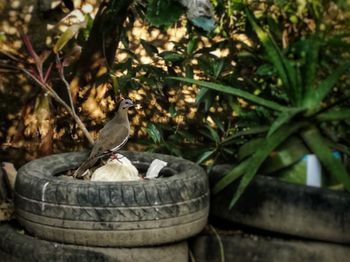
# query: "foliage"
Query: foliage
273,70
158,12
301,71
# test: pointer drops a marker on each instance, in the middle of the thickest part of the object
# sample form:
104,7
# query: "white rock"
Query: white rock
120,169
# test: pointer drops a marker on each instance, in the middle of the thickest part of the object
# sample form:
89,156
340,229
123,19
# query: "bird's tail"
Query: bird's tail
79,173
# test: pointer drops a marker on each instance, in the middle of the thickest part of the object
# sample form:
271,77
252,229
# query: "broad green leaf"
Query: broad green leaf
218,123
204,96
285,155
67,35
260,156
163,12
231,176
201,94
311,48
192,45
172,111
213,134
249,148
250,131
210,133
235,92
283,118
217,67
206,65
188,71
265,70
314,140
283,66
205,156
154,133
171,56
334,115
151,50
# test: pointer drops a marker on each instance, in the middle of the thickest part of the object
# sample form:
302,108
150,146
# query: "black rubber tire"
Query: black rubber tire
16,246
291,209
135,213
238,246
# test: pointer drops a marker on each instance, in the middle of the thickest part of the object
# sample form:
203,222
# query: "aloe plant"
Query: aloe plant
302,115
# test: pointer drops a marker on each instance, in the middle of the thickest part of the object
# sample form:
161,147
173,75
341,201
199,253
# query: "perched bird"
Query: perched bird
113,137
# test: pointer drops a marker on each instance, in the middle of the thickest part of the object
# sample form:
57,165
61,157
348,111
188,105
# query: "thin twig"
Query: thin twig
46,87
61,74
221,246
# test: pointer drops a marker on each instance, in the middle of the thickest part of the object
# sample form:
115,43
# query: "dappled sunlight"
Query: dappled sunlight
168,104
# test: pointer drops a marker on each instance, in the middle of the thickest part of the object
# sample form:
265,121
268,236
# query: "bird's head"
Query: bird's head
125,104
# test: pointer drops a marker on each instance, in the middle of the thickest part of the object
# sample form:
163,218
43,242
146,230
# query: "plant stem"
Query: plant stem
70,109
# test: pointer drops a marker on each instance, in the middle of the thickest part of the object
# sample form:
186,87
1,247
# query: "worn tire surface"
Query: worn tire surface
134,213
297,210
16,246
242,247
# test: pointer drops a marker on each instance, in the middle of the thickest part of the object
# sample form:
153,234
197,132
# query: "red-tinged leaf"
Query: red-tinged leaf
44,55
34,73
29,46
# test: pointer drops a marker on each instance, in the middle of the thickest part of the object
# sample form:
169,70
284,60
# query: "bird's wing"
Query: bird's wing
110,140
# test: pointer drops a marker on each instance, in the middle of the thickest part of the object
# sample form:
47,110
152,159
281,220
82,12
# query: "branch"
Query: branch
47,88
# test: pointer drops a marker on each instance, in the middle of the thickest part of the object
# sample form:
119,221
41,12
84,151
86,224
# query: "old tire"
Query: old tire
296,210
16,246
239,246
135,213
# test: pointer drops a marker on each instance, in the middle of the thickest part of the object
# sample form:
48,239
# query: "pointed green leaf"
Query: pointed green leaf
158,12
154,133
200,95
171,56
218,123
68,35
235,92
217,67
326,85
250,131
334,115
261,154
311,47
231,176
150,49
213,134
249,148
192,45
205,156
287,154
282,119
283,66
314,140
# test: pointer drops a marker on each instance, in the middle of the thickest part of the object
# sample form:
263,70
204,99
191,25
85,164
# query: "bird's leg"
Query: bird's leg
115,156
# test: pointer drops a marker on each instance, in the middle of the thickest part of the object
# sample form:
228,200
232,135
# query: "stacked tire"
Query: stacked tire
108,221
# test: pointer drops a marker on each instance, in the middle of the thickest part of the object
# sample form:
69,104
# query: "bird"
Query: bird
112,137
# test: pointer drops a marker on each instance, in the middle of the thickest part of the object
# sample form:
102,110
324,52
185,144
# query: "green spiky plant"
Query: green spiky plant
306,109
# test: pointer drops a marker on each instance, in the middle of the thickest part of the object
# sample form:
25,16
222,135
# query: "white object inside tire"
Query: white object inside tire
119,169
